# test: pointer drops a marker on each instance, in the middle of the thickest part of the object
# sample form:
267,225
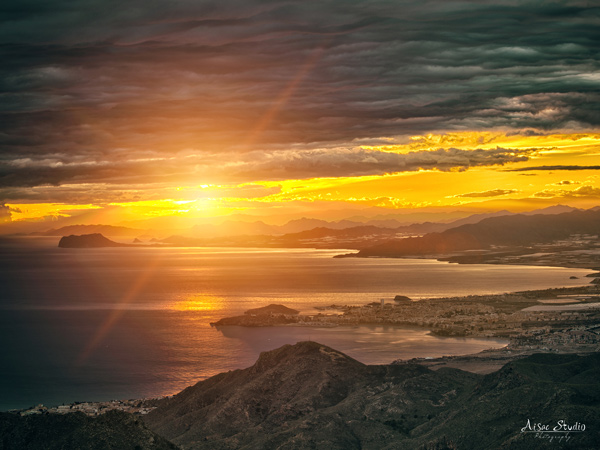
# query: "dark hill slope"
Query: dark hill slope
111,431
309,396
542,388
284,384
516,230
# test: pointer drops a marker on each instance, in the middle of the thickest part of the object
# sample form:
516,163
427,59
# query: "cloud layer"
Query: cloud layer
17,177
101,91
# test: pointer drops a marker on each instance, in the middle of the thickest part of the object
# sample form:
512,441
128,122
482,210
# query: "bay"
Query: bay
99,324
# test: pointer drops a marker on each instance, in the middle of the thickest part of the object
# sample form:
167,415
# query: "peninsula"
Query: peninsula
563,320
515,239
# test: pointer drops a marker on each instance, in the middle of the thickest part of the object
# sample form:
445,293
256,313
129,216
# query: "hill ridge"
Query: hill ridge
309,395
513,230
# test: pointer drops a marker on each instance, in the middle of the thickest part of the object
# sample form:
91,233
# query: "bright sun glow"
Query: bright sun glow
510,185
199,303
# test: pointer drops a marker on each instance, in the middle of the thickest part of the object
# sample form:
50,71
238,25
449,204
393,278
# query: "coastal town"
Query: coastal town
563,319
139,407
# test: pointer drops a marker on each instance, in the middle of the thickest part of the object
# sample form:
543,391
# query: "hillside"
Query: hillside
514,230
111,431
311,396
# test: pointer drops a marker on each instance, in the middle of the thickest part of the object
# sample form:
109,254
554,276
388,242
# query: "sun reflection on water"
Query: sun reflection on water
198,303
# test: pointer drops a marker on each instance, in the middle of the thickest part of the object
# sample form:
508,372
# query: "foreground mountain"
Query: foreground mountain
111,431
515,230
309,396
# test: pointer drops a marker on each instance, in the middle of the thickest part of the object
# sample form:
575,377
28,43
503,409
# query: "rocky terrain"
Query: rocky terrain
309,396
111,431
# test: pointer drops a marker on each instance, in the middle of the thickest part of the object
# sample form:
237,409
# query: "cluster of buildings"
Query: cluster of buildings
578,338
480,316
138,407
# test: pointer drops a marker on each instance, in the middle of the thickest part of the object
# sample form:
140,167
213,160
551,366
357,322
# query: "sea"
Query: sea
122,323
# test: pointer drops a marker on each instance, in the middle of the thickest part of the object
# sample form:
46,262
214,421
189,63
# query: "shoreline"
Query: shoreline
510,316
565,254
575,334
444,315
460,320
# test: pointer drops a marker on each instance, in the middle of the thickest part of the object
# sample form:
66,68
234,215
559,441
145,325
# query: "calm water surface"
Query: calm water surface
125,323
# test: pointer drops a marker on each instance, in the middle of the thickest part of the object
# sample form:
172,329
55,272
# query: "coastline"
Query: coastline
493,315
576,333
459,323
573,254
553,329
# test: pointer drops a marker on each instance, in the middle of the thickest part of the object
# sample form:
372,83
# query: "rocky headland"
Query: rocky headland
520,231
562,240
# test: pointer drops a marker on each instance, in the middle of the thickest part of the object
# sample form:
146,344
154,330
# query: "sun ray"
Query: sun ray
118,310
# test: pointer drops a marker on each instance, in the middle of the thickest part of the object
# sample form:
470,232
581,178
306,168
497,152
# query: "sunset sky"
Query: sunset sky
114,112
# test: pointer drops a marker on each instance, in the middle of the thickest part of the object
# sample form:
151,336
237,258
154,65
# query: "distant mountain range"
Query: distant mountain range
308,395
513,230
240,228
439,238
234,228
473,233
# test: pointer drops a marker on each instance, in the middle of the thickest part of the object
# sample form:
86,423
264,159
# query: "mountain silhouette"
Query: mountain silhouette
514,230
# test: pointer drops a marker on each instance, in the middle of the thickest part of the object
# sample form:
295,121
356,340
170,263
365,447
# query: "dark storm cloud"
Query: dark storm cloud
89,80
345,162
275,165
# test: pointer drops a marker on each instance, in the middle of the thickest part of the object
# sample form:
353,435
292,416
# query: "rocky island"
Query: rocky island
94,240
